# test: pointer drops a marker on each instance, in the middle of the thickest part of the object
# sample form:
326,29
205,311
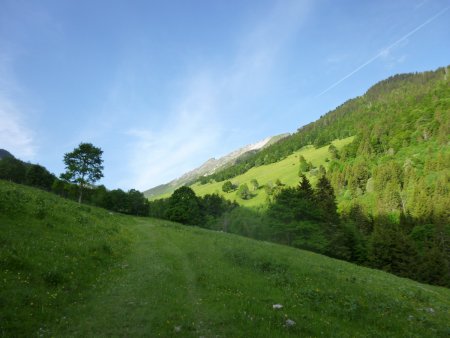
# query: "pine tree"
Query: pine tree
391,250
326,201
305,188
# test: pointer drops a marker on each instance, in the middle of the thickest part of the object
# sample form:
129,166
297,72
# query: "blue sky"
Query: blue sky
161,86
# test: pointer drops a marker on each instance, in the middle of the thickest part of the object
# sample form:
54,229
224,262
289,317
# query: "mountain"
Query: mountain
71,270
213,165
4,153
403,110
381,160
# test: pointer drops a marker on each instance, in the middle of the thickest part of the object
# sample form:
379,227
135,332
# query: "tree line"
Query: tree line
83,168
185,207
307,217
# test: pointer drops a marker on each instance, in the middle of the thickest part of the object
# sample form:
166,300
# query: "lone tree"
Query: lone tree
227,186
184,207
83,166
244,192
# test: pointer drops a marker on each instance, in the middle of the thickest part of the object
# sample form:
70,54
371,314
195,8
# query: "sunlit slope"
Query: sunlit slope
285,170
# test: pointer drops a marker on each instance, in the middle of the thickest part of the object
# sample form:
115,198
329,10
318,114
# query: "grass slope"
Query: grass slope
286,170
163,279
191,282
51,251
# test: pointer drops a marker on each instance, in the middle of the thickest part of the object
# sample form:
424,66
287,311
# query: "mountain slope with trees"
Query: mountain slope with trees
211,166
390,184
402,110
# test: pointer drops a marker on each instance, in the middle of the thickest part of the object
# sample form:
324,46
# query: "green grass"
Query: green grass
161,279
286,170
214,284
51,251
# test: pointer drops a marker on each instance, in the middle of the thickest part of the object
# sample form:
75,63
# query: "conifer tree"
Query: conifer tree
326,200
391,250
305,188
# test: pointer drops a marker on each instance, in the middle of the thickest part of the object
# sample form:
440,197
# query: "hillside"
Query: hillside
211,166
4,153
400,146
51,251
285,170
403,110
70,270
374,176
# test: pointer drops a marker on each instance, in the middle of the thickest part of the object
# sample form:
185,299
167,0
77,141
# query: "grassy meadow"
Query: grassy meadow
77,271
51,251
285,170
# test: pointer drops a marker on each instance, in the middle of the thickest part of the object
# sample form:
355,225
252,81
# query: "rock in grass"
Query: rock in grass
290,323
277,306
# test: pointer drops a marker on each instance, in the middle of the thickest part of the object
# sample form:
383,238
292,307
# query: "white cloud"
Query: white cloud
15,136
159,156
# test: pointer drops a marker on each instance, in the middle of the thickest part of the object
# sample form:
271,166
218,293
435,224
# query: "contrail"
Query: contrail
384,50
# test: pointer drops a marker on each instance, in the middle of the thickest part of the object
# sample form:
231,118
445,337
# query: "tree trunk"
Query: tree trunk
81,194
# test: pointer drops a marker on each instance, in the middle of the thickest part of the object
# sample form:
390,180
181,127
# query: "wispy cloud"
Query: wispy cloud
15,135
158,156
385,51
209,106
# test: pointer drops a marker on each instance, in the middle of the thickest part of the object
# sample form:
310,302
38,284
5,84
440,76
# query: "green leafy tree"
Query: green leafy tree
213,205
38,176
244,192
12,169
304,166
255,184
137,203
117,200
227,187
100,196
184,207
333,152
83,166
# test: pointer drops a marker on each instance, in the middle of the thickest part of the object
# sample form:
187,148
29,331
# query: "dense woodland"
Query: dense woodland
382,201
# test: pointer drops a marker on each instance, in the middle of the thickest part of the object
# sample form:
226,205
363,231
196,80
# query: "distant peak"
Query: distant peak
5,153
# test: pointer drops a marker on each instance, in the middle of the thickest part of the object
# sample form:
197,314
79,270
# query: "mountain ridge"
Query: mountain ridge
212,165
